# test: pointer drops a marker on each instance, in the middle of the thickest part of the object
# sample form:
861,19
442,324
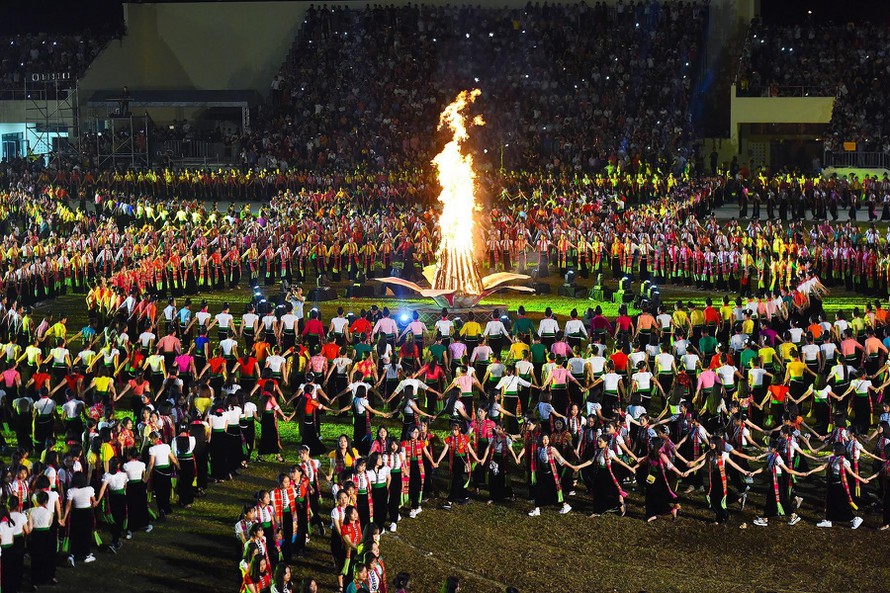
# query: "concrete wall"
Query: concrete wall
779,110
204,46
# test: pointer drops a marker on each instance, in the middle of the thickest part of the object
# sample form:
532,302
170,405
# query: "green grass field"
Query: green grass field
491,547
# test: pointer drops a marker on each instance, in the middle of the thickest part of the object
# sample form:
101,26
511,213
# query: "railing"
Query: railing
815,90
36,94
194,150
853,159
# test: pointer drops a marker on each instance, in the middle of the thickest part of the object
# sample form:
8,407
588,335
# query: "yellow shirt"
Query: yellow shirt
697,317
785,350
680,318
796,369
766,354
518,350
726,313
471,329
748,326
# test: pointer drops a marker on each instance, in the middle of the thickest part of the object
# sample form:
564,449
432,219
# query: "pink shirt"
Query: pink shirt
169,344
465,383
707,379
559,376
561,349
183,362
9,376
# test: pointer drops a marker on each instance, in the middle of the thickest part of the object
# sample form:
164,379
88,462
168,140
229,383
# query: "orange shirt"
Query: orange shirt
260,350
816,330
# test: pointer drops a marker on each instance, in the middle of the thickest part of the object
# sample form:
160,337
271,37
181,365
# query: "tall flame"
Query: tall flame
456,267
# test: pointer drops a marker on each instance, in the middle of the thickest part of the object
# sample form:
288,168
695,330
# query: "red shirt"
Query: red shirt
39,380
330,351
712,316
313,326
361,326
619,359
72,380
247,366
216,364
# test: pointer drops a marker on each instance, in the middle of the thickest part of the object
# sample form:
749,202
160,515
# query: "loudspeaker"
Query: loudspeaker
322,294
360,291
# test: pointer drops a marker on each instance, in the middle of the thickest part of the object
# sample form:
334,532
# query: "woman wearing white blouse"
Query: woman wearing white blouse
80,520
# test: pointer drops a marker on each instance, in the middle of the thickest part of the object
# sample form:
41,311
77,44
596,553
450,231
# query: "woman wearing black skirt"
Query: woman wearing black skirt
270,444
778,490
80,520
114,485
379,478
199,430
184,450
717,458
394,459
608,495
137,494
839,505
660,497
219,468
498,455
42,520
548,490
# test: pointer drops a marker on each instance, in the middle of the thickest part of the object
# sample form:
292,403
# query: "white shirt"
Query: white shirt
597,364
664,362
727,374
548,327
642,379
689,361
575,327
494,328
248,320
117,481
81,497
810,352
444,326
339,324
134,469
224,320
161,454
145,338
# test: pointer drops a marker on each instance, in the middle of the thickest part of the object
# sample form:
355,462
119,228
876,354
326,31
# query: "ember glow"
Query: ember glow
456,267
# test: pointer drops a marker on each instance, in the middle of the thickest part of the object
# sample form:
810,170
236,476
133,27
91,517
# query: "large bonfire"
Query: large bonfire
455,278
456,267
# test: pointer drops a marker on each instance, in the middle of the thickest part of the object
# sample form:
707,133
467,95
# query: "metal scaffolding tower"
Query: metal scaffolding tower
51,118
123,141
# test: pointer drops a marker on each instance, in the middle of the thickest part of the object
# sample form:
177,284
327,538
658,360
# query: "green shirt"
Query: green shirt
707,345
360,350
436,351
523,325
746,357
539,352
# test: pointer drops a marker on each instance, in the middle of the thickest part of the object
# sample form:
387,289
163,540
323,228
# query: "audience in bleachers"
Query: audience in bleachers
21,55
563,85
849,62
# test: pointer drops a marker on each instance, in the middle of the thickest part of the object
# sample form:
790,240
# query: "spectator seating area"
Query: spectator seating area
44,53
571,85
848,62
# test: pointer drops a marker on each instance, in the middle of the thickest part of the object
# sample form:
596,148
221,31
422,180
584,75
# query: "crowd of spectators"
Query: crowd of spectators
561,84
44,53
849,62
